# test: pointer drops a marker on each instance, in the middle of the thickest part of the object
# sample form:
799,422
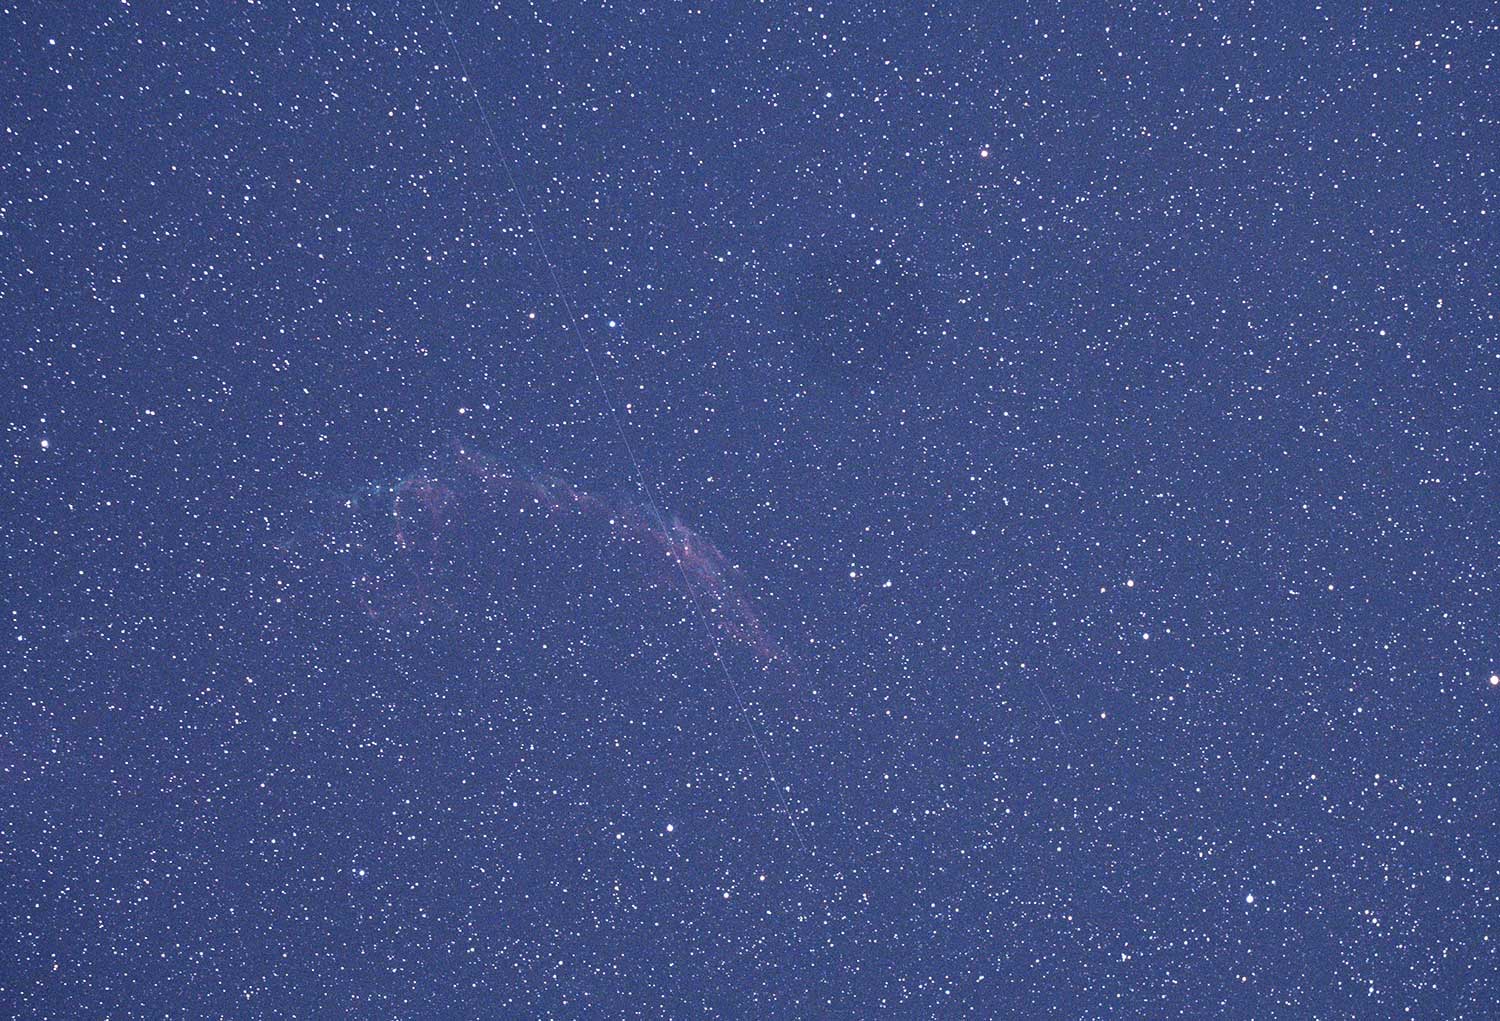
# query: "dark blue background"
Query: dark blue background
985,344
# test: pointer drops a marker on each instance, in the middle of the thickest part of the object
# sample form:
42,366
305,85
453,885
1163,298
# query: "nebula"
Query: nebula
471,539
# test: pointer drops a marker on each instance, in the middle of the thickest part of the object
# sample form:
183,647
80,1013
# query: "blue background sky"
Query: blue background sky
1096,405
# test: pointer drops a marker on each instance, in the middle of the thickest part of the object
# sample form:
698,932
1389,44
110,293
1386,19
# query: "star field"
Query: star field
749,510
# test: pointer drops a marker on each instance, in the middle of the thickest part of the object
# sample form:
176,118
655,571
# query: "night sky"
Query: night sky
749,510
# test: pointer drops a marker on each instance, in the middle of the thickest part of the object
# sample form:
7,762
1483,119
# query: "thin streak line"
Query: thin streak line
641,480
